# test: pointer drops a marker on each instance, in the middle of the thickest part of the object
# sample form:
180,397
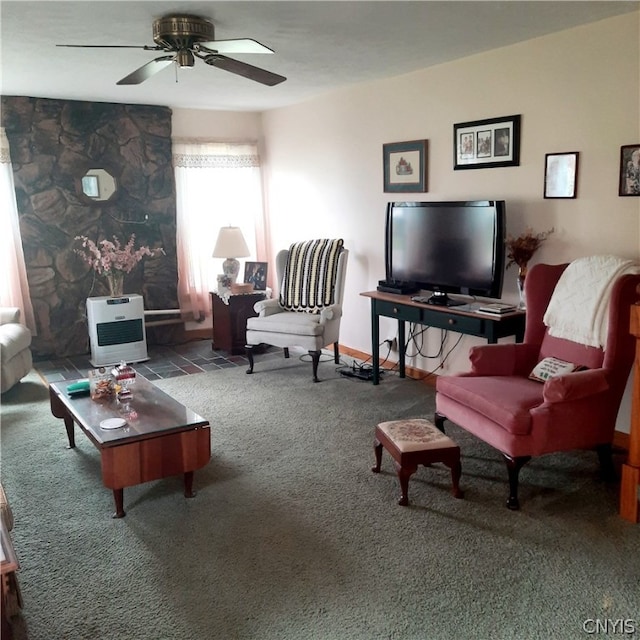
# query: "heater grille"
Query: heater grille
124,331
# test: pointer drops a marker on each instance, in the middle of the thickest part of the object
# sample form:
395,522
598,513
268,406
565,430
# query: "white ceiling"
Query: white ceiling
319,46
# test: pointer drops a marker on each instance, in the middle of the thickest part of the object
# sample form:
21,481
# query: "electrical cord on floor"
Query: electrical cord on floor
324,357
395,365
364,369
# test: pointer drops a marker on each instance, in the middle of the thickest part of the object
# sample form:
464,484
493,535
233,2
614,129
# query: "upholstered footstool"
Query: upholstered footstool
413,442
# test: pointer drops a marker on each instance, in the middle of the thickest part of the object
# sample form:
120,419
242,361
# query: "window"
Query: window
217,184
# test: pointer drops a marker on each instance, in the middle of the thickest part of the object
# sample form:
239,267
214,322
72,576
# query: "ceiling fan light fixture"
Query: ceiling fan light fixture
185,59
181,31
183,38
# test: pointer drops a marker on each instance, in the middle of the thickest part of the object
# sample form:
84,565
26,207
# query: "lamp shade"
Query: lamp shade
230,244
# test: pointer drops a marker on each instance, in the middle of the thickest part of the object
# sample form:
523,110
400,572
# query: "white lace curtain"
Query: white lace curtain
217,184
14,287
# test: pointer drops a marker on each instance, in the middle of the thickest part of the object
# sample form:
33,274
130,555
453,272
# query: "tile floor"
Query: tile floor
164,362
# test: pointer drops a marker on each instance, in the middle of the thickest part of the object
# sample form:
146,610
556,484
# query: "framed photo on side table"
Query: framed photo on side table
561,175
483,144
405,166
629,170
256,274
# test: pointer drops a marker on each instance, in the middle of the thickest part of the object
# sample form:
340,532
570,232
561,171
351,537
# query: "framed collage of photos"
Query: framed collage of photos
484,144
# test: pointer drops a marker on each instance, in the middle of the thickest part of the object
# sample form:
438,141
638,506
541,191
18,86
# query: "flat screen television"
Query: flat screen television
446,247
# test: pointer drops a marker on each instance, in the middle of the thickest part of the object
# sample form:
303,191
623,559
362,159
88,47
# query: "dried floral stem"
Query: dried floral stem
521,249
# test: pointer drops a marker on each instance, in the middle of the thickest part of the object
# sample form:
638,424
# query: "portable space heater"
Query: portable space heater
116,329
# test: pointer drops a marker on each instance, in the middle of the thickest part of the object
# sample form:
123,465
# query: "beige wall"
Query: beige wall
577,90
216,125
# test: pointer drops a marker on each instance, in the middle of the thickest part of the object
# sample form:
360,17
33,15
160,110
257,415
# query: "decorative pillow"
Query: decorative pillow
552,367
310,275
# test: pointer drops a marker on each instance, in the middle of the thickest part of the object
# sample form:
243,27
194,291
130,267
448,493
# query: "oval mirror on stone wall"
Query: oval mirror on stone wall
98,185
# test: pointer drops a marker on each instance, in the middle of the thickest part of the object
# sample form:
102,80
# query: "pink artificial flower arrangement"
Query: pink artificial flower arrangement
107,257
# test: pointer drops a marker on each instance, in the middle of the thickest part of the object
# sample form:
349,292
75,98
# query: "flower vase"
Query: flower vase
115,279
522,274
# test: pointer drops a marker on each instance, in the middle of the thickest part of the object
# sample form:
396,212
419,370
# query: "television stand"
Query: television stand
404,308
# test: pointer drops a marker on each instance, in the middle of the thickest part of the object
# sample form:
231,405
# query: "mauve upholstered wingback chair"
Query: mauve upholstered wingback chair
307,313
520,417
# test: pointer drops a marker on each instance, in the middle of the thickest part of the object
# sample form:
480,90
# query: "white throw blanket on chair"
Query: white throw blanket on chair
579,307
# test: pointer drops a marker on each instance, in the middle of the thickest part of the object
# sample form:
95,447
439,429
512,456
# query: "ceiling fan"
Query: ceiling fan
184,38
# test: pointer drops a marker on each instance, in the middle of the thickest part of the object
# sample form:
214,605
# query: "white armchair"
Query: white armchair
308,310
15,352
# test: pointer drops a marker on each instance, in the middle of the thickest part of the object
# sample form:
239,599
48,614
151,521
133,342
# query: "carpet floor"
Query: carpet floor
292,537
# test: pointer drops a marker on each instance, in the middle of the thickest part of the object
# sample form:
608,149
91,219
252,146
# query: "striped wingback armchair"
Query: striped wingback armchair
308,310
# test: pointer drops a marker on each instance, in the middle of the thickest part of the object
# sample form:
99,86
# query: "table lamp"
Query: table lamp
231,245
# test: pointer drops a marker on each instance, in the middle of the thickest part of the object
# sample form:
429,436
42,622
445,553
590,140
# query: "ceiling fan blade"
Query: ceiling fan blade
239,45
244,69
146,47
147,70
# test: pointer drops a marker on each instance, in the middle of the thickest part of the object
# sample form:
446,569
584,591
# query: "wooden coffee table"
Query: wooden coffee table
164,439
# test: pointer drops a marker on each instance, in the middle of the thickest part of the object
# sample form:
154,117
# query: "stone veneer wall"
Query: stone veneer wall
53,143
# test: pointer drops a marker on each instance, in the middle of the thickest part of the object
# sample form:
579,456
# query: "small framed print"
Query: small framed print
483,144
256,274
405,166
561,175
629,184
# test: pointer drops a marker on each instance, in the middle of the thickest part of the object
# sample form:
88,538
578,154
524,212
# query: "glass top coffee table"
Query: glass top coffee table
161,438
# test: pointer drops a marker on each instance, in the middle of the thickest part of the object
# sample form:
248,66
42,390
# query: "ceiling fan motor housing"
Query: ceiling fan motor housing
181,32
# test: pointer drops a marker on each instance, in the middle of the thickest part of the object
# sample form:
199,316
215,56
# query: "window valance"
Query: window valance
214,155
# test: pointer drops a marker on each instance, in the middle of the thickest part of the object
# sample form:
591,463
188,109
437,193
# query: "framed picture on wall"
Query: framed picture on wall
405,166
561,175
256,274
629,183
483,144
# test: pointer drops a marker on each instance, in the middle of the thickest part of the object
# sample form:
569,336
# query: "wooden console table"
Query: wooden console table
461,320
629,506
230,320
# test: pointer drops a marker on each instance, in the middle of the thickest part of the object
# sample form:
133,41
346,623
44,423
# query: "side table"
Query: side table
230,320
11,598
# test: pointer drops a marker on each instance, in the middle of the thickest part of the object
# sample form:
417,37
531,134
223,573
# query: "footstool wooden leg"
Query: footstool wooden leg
456,473
377,449
404,473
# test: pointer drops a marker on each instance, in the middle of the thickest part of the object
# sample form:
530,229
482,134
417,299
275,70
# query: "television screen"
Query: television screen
447,247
